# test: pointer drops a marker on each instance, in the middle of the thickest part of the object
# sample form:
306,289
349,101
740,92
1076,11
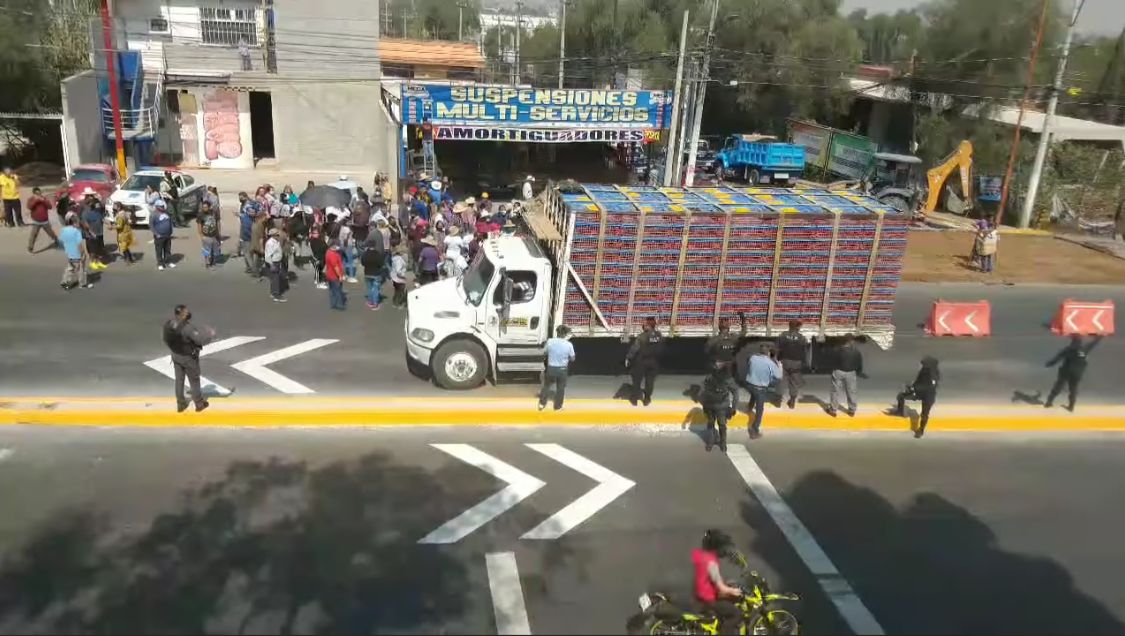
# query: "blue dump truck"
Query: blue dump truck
760,159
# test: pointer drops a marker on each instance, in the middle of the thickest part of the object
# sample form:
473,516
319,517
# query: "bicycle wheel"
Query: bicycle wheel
779,623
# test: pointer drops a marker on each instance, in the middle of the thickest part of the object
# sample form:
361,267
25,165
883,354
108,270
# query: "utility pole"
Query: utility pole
687,115
1023,106
519,27
562,39
669,155
700,95
114,89
460,22
1045,136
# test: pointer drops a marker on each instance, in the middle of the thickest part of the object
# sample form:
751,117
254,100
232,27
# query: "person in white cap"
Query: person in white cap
162,226
273,257
528,191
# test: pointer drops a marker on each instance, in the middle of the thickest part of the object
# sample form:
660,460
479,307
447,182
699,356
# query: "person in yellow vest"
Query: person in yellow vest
10,193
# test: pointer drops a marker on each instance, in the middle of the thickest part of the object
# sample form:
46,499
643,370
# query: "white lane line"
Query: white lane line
256,367
520,486
163,365
610,486
507,594
835,586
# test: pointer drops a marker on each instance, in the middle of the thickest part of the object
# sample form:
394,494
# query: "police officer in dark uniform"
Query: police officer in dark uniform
1073,365
643,361
722,346
185,341
718,397
791,347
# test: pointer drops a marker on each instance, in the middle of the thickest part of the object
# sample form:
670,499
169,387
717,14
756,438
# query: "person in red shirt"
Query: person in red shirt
710,589
40,219
334,273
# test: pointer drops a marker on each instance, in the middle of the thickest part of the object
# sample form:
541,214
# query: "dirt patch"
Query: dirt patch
943,257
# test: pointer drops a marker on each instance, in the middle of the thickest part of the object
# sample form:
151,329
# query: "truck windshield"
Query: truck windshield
476,279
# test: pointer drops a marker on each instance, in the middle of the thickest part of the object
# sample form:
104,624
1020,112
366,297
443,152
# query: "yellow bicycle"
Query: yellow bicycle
659,616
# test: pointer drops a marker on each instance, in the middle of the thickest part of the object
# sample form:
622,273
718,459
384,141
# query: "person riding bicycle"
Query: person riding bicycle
710,589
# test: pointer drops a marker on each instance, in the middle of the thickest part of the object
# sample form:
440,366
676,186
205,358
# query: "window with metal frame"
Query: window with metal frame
158,25
228,27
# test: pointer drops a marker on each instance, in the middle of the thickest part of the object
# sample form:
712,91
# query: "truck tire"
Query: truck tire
897,202
753,177
459,365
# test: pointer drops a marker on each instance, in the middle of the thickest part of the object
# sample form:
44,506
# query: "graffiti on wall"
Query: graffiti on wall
220,125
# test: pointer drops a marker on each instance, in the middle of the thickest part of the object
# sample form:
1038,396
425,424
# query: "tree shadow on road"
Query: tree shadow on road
272,547
931,566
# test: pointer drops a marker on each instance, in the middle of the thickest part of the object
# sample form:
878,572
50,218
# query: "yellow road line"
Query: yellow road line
397,416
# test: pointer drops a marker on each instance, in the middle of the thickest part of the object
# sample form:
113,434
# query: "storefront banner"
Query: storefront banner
476,105
541,135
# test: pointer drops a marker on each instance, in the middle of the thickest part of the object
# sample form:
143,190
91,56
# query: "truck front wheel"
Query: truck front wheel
459,365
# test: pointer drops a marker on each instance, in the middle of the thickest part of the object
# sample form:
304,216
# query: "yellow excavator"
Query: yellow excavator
960,159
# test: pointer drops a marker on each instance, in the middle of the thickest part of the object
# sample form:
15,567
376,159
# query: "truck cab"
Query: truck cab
491,319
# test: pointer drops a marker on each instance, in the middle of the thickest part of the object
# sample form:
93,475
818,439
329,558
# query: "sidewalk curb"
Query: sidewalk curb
398,412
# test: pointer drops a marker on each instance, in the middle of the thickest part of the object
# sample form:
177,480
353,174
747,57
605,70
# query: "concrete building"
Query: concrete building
289,84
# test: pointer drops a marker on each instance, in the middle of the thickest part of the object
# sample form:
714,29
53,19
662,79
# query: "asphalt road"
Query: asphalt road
94,342
297,531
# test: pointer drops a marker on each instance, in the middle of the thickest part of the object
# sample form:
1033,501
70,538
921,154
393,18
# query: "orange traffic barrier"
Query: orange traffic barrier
1078,317
960,319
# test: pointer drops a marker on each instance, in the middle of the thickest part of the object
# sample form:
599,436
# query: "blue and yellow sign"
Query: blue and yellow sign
514,107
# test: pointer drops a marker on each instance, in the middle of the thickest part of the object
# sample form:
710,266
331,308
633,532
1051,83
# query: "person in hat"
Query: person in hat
273,256
486,224
123,223
162,225
429,260
455,262
924,389
334,273
93,218
398,275
468,213
528,190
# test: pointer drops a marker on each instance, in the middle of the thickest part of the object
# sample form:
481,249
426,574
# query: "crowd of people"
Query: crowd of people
426,236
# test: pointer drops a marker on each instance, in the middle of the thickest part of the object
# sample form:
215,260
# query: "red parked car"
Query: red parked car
101,177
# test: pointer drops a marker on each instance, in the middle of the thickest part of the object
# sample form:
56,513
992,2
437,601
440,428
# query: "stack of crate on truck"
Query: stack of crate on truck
602,258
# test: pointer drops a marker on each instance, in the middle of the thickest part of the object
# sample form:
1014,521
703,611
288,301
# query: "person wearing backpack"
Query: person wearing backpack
208,225
161,224
718,397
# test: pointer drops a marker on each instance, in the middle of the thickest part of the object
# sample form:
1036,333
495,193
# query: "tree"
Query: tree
38,49
434,19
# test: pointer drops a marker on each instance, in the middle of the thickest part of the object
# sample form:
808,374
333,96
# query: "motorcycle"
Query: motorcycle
660,616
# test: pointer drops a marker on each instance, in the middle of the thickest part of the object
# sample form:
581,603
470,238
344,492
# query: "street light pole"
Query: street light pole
460,22
562,39
700,95
1045,136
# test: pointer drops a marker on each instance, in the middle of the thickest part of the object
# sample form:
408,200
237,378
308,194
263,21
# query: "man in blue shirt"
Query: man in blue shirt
762,371
560,353
74,244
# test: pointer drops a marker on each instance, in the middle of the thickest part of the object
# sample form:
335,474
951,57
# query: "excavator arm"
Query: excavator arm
962,159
